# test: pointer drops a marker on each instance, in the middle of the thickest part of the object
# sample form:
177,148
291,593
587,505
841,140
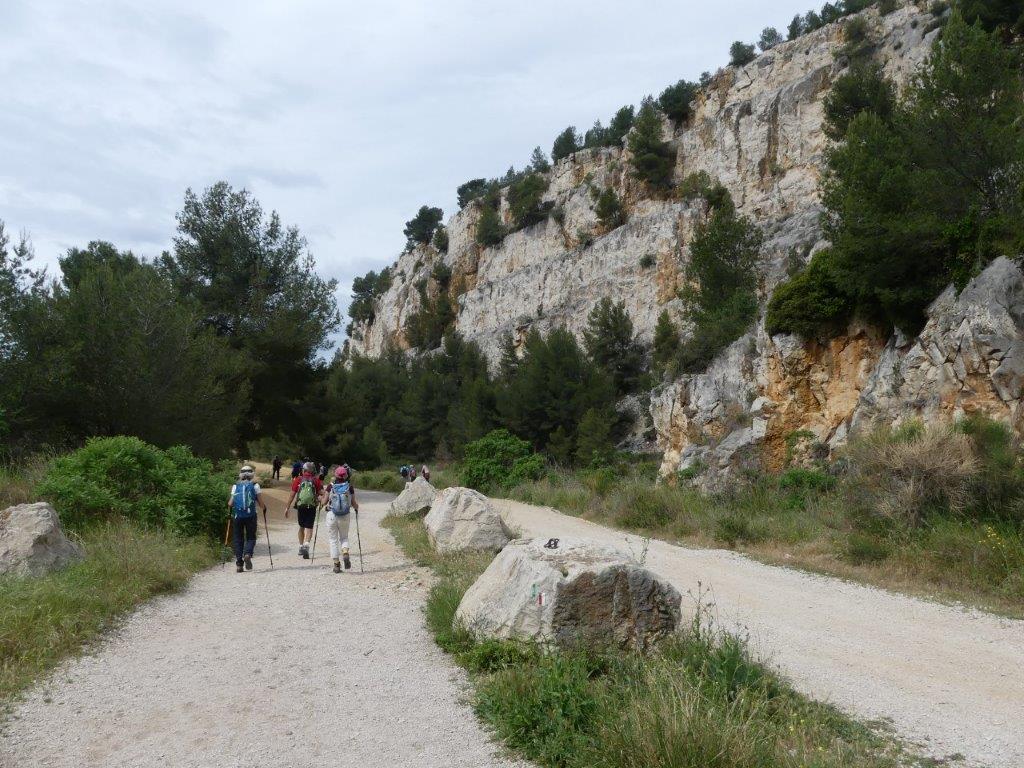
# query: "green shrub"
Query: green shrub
124,477
866,548
700,185
499,460
812,303
524,200
609,209
800,479
647,261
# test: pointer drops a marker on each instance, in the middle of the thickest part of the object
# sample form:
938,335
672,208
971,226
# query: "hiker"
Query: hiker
323,472
341,500
307,490
404,470
412,473
296,468
277,468
245,495
425,472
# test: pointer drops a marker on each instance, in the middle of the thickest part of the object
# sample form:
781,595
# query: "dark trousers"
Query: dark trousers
277,473
243,536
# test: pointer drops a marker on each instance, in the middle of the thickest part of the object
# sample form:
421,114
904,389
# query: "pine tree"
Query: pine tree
676,99
611,344
609,209
539,161
594,438
770,37
653,159
489,229
620,125
420,229
741,54
567,143
509,362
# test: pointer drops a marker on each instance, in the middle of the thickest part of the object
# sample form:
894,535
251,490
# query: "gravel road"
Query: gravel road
292,667
949,680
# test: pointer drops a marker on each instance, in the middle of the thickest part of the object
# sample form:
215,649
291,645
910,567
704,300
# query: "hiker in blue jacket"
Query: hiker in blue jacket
245,495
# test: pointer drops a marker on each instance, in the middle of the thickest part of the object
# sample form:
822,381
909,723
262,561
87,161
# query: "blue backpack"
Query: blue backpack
341,502
243,499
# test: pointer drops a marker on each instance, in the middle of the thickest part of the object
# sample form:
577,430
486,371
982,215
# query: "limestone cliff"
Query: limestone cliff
765,401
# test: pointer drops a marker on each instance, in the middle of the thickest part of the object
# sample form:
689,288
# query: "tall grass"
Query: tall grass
700,701
43,619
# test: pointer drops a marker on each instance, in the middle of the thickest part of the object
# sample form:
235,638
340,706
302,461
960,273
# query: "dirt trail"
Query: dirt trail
292,667
950,680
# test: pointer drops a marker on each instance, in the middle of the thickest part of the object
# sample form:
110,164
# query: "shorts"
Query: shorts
307,517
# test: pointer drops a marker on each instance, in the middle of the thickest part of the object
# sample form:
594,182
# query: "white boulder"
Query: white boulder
463,519
571,593
32,541
417,496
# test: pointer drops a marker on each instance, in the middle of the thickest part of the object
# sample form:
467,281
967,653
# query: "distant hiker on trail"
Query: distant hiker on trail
323,472
277,468
245,495
296,469
341,500
307,490
425,472
412,473
404,470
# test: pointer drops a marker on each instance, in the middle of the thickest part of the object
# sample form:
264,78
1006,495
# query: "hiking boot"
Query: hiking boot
348,563
248,562
337,567
238,568
304,552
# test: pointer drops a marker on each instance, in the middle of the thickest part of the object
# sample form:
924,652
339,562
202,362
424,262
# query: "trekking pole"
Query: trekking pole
359,543
227,533
266,527
316,530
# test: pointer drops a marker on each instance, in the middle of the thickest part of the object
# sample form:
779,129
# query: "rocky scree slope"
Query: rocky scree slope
757,130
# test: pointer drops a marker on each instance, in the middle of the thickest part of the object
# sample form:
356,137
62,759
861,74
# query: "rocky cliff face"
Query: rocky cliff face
764,401
769,401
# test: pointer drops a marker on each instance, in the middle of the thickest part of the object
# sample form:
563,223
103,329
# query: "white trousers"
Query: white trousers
337,531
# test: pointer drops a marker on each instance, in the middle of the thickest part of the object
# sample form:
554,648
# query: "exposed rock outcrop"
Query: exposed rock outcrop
769,401
416,497
461,519
32,541
575,592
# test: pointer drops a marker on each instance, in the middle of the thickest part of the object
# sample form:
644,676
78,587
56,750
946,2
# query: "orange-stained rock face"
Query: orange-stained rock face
817,389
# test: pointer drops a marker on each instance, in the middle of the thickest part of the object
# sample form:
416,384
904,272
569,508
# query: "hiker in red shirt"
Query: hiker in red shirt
307,493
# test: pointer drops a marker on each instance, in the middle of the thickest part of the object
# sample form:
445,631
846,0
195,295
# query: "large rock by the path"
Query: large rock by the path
32,541
417,496
579,592
463,519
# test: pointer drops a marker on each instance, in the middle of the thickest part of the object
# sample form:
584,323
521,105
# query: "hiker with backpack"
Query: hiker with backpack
341,500
404,472
277,468
245,495
307,492
425,472
296,468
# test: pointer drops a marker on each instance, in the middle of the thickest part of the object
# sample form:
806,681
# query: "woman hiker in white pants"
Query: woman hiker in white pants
341,500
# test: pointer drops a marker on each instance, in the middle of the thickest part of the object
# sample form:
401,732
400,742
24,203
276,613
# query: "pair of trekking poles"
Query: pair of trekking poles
266,528
316,530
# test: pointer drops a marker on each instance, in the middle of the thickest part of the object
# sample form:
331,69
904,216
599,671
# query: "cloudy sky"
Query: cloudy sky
345,117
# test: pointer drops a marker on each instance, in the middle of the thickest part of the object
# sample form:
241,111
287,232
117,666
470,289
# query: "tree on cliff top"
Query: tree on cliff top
566,143
421,227
653,159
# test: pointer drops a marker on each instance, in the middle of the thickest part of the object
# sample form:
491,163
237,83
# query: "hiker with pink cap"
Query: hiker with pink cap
341,500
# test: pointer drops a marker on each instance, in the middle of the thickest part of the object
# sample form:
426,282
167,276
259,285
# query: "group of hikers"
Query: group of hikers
309,493
408,472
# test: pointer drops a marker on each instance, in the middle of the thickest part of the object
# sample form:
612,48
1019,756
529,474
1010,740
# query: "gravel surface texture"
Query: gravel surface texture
292,667
949,680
